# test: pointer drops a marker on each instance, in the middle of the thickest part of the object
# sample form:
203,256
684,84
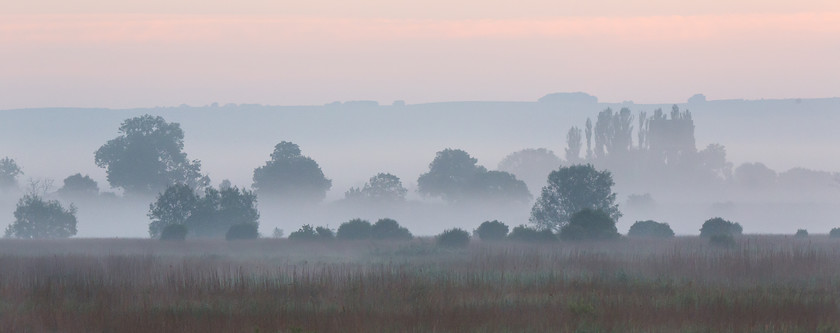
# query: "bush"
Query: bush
589,224
719,226
722,240
527,234
801,233
389,229
354,229
651,229
306,232
174,232
454,238
242,231
324,233
38,218
492,231
834,233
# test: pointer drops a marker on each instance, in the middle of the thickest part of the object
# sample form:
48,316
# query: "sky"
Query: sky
132,53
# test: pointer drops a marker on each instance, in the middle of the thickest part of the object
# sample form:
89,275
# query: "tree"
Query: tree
306,232
354,229
531,166
573,145
453,238
210,215
79,186
801,233
570,190
9,171
527,234
389,229
242,231
382,188
36,218
834,233
291,176
719,226
651,229
590,224
454,176
492,231
148,156
755,176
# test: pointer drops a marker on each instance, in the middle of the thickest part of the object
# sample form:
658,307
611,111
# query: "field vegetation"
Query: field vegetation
681,284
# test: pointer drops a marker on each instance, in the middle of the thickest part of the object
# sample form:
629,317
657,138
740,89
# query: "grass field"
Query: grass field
764,284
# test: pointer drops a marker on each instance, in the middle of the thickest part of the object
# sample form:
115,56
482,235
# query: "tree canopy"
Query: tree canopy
148,156
9,171
570,190
210,215
37,218
78,185
589,224
531,166
382,188
291,175
455,177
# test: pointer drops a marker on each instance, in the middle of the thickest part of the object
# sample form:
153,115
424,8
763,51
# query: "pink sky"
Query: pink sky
137,58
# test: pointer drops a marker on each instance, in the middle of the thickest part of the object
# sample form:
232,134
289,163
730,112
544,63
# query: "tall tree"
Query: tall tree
9,171
148,156
588,139
573,145
291,176
570,190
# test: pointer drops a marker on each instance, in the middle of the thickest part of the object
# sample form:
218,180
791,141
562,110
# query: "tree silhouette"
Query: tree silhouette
570,190
37,218
291,176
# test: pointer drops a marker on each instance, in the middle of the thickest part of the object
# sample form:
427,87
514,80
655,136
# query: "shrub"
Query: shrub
324,233
527,234
801,233
834,233
242,231
718,226
354,229
589,224
389,229
722,240
492,231
306,232
650,228
38,218
454,238
174,232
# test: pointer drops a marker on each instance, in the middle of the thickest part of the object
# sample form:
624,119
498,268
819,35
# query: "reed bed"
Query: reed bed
765,284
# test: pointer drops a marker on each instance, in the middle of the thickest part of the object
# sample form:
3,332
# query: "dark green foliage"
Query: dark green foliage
589,224
454,238
801,233
454,176
389,229
148,157
722,240
306,232
243,231
210,215
524,233
382,188
78,186
354,229
650,228
492,231
719,226
9,170
324,233
834,233
570,190
36,218
291,176
176,232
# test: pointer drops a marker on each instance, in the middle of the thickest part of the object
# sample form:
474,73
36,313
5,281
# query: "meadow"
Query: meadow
763,284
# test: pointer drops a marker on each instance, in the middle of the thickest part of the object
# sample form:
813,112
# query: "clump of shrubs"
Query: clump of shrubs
308,233
524,233
324,233
589,224
176,232
354,229
492,231
454,238
801,233
389,229
650,229
834,233
242,231
719,226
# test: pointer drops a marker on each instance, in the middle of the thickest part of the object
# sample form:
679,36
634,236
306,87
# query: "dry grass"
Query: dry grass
766,284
